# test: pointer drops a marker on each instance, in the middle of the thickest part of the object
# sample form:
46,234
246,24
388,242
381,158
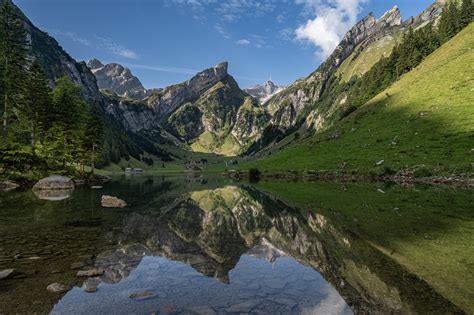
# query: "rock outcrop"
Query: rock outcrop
118,79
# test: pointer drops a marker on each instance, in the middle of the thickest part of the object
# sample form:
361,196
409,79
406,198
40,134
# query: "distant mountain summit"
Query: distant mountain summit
118,79
263,92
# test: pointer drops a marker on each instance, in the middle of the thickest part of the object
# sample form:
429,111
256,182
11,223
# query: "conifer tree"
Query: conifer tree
467,13
93,136
13,60
36,107
69,112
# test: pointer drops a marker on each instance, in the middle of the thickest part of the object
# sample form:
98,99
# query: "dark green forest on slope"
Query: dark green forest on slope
43,129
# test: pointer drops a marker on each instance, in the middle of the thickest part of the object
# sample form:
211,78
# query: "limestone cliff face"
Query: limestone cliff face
118,79
291,102
166,101
207,113
57,63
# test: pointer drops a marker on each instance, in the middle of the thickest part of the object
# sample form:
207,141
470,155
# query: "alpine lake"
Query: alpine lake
202,244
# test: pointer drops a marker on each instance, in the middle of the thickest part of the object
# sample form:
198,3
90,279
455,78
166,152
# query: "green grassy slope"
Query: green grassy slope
424,120
362,61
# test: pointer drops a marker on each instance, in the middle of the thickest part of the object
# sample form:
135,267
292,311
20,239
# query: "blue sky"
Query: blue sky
166,41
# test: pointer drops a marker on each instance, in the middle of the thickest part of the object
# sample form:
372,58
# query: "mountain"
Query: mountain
263,92
118,79
311,103
207,113
419,126
118,142
56,62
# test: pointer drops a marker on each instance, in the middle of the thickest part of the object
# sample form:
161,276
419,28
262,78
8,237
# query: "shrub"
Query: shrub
254,175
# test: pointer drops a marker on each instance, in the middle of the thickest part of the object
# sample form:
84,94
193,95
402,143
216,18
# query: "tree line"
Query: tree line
43,129
415,46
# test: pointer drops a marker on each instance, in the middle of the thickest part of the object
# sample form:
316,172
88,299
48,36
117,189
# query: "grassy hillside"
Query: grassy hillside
364,58
423,121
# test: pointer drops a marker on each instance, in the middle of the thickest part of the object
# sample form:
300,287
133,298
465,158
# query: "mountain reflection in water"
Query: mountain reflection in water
226,248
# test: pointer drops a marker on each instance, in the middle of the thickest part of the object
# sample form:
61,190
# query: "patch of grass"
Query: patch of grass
426,118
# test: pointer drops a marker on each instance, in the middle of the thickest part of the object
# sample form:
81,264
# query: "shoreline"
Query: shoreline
454,180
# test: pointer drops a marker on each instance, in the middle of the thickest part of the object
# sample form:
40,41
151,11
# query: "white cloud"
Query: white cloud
332,19
243,42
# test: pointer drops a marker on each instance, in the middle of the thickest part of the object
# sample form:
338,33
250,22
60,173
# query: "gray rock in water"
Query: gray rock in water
90,273
202,310
58,288
142,295
243,307
113,202
90,289
8,185
5,274
54,183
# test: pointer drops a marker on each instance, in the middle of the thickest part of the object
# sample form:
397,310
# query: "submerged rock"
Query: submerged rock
202,310
142,295
7,273
90,289
112,202
57,288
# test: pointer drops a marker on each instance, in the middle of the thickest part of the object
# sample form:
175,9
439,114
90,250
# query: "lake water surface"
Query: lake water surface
208,245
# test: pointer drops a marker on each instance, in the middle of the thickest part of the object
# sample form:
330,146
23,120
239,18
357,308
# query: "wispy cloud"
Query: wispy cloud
115,48
72,36
220,29
243,42
331,20
98,42
166,69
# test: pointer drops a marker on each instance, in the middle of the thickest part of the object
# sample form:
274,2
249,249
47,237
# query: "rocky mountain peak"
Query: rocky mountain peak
221,68
263,92
393,17
117,78
269,86
94,64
